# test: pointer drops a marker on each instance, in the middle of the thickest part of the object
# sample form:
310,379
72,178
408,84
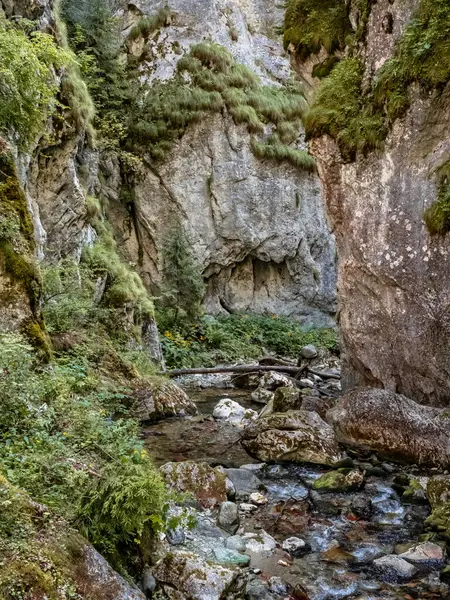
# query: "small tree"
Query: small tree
182,288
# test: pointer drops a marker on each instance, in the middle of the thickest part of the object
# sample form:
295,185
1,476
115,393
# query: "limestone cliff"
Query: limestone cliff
394,289
257,227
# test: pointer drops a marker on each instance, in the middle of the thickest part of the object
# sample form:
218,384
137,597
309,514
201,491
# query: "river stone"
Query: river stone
260,543
162,400
392,425
227,556
298,436
309,351
229,516
200,479
334,481
262,396
235,542
148,583
286,398
273,380
394,569
232,412
258,499
245,482
193,576
425,555
295,546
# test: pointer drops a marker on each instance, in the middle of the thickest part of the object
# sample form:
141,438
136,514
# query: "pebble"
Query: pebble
283,563
258,499
247,508
295,546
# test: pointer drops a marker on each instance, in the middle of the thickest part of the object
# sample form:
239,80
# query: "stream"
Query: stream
339,535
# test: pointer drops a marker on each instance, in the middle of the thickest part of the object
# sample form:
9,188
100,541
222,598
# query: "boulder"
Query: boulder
161,401
272,380
425,555
335,481
438,493
309,351
260,543
394,569
232,412
229,516
193,576
298,436
317,404
206,484
286,398
262,396
245,482
393,426
235,542
226,556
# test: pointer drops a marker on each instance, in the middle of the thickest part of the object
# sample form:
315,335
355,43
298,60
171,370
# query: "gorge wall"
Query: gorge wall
257,228
394,288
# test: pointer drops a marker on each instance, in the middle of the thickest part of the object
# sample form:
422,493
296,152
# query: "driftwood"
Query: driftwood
296,372
237,369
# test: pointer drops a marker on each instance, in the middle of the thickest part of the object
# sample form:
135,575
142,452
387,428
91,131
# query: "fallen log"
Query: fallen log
237,369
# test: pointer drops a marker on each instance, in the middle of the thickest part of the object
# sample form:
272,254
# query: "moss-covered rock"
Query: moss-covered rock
336,481
206,484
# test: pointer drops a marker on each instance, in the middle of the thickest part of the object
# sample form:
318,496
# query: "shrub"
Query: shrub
122,506
66,443
28,84
247,114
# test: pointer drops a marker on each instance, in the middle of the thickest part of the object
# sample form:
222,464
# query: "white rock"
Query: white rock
307,383
247,508
309,351
294,545
262,396
232,412
259,543
258,499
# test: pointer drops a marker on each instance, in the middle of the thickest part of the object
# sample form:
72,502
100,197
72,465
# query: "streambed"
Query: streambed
343,533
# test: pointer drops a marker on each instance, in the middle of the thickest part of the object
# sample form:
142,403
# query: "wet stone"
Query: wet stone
229,516
394,569
245,482
425,555
235,542
295,546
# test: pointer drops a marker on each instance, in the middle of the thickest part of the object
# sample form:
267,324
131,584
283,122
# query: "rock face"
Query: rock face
257,228
298,436
393,283
393,425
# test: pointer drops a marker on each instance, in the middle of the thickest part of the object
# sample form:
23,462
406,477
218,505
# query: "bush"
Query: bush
148,25
28,84
123,506
68,441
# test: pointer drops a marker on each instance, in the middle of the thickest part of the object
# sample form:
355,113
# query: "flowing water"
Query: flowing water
344,533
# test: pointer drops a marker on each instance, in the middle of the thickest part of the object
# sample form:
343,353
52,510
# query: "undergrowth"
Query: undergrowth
233,338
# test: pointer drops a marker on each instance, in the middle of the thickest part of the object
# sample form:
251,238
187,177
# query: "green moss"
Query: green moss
437,216
359,118
310,25
36,334
275,150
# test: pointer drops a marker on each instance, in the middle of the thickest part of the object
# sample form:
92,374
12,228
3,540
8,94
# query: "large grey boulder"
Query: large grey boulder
193,576
164,399
298,436
393,425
